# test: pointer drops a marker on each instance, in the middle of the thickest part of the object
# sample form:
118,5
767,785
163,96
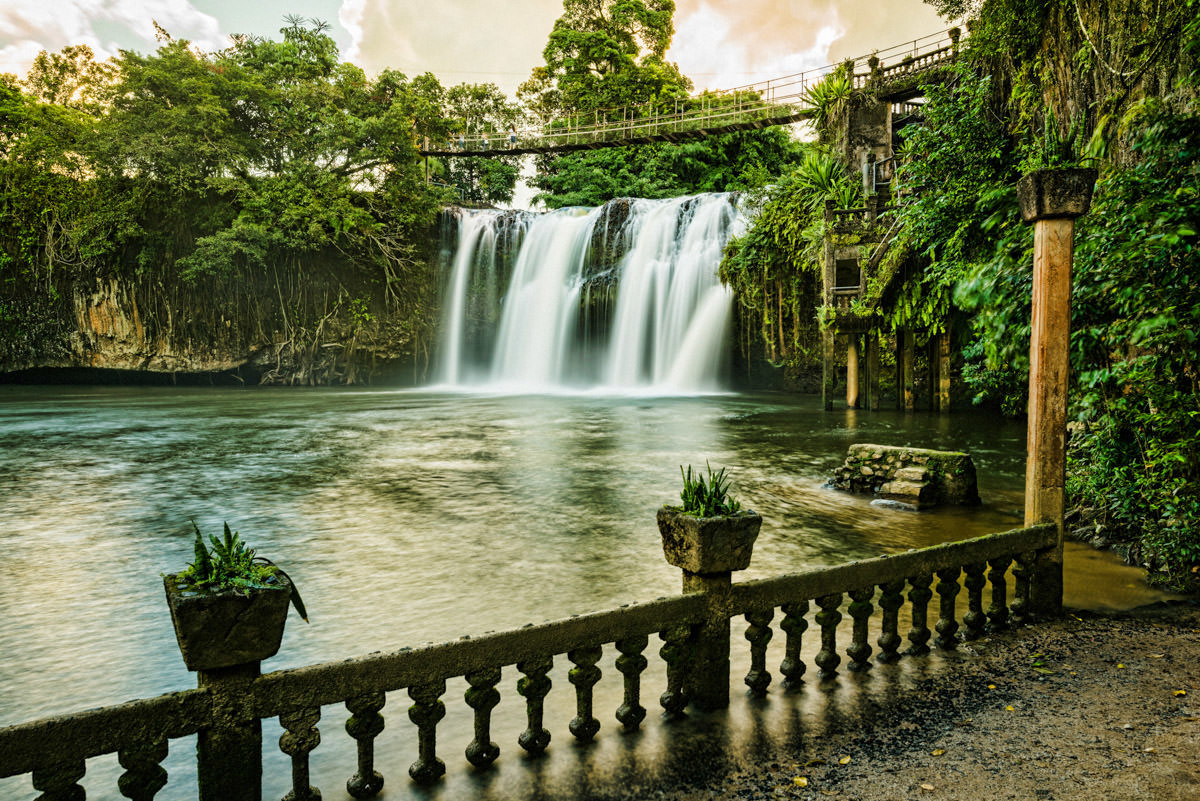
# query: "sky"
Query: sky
718,43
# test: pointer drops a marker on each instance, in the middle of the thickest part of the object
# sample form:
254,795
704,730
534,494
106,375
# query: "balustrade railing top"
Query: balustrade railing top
230,702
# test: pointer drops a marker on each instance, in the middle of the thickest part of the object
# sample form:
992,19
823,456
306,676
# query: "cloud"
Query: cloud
471,41
718,49
29,26
725,43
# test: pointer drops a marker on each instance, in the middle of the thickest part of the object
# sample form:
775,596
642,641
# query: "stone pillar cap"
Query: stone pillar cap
1058,193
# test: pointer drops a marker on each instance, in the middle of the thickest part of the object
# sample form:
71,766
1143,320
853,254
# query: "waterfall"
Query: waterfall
623,297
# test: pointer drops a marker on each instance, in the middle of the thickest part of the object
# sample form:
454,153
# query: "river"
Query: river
409,516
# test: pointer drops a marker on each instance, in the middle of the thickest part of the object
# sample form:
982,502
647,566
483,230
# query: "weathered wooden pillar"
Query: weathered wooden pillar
943,372
828,369
1051,200
229,752
932,353
852,372
873,370
906,387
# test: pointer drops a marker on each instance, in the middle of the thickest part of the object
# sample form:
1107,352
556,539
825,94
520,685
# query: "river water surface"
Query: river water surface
408,516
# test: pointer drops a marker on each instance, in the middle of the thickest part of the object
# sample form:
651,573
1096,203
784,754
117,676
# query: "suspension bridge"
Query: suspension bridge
895,73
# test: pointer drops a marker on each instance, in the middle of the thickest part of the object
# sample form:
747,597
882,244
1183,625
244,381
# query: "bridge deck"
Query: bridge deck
779,101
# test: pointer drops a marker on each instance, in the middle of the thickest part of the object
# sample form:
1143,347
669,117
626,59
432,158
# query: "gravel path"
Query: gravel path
1093,706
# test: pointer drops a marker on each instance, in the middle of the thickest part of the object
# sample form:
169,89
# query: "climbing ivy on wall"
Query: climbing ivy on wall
774,269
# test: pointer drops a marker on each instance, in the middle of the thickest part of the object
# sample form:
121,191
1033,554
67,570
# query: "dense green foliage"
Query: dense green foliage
481,109
721,163
706,496
1134,460
606,53
775,267
267,187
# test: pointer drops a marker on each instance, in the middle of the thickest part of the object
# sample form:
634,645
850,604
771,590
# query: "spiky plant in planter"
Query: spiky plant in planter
706,497
229,605
709,532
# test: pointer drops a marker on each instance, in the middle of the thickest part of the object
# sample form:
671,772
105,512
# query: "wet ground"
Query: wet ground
1095,705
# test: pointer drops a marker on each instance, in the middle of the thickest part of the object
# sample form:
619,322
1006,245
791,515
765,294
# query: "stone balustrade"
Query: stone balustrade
232,702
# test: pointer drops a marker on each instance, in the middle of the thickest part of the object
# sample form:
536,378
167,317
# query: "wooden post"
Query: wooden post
873,370
828,369
943,372
852,372
1051,200
908,389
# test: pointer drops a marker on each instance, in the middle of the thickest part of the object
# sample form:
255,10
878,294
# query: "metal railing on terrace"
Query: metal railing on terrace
227,708
776,101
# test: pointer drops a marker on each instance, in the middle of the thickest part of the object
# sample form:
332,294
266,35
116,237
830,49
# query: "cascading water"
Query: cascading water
624,297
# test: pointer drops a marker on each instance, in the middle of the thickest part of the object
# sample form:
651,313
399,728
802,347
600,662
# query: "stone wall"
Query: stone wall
914,476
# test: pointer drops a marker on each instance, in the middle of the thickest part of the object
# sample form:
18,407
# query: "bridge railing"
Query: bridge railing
226,710
777,99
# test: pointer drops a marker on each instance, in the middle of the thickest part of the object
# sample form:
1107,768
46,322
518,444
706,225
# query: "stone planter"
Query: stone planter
1050,194
218,630
708,544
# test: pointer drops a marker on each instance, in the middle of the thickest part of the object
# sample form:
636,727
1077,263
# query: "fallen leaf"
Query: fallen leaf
938,751
800,781
1157,656
1009,709
812,763
844,760
1150,750
991,686
1120,666
1180,692
927,787
1073,673
1047,671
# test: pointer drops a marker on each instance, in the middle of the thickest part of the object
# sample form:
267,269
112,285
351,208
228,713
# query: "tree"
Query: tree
608,53
482,109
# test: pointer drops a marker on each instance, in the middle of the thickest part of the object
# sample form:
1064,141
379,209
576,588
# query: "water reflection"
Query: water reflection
408,517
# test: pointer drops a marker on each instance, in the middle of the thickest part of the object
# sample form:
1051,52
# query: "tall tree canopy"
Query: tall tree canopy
608,53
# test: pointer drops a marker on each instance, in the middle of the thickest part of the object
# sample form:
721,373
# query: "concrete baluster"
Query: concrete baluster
759,633
794,625
631,663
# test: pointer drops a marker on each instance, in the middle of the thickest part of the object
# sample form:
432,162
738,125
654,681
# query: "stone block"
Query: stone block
916,476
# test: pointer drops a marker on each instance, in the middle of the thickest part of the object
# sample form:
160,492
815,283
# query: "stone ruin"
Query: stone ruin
914,478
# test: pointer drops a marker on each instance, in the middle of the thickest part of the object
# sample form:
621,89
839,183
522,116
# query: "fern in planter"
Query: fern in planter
706,496
230,564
